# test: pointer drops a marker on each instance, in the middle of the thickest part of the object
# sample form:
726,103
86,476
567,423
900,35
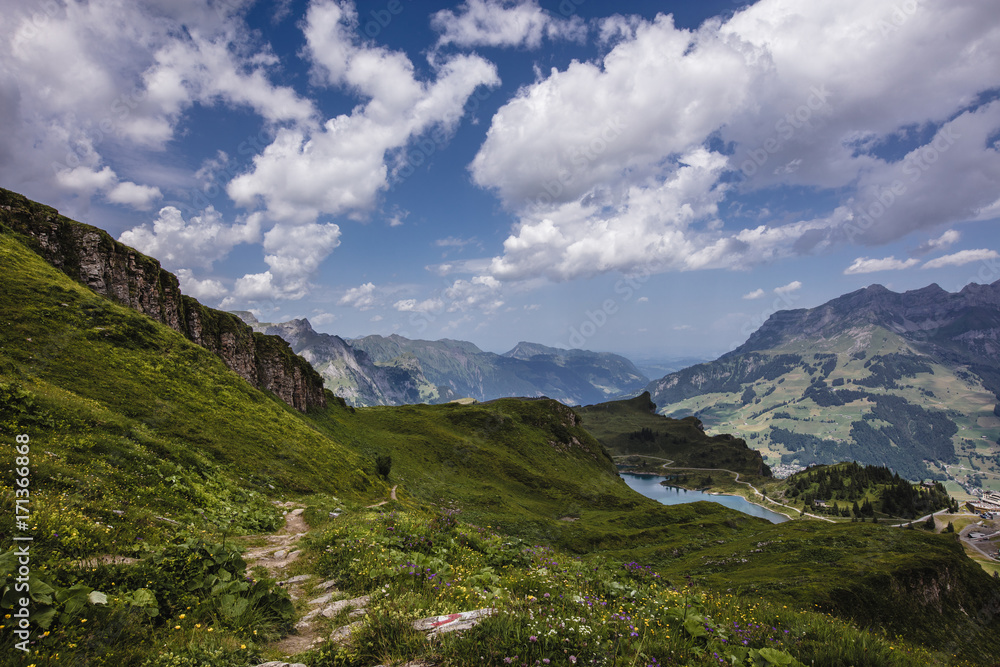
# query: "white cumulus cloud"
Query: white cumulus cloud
512,23
793,286
866,265
207,290
362,297
342,166
960,258
946,240
200,240
610,164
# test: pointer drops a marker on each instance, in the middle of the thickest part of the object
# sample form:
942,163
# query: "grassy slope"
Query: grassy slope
680,440
97,385
165,418
522,467
940,597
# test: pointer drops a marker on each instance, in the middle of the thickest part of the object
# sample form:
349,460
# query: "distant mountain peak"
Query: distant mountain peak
525,350
901,313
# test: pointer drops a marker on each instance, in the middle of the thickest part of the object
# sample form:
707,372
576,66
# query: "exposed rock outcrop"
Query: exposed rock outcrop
92,257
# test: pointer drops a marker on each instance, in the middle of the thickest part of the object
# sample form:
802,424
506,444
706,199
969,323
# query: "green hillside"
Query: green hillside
145,446
866,394
849,490
632,427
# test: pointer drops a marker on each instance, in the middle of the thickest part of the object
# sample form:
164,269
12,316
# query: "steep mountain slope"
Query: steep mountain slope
908,381
349,372
91,257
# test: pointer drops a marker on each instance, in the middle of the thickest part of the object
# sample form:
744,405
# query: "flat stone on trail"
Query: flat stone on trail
295,580
343,635
322,599
326,585
276,663
452,622
337,607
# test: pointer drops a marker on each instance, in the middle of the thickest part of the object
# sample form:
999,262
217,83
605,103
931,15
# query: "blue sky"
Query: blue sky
650,178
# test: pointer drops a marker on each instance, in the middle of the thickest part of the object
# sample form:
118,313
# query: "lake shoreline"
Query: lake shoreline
762,512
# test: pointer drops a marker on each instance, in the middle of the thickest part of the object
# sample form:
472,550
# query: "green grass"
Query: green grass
554,607
633,427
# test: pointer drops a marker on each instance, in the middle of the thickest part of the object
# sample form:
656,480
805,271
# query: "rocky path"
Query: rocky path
325,601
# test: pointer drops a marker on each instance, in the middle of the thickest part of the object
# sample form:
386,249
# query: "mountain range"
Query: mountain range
393,370
910,381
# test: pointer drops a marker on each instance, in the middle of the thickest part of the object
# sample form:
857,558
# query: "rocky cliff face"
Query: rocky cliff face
90,256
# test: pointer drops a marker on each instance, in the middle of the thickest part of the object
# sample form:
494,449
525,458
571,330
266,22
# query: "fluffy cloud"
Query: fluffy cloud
756,294
865,265
204,290
208,70
413,306
480,293
946,240
960,258
88,181
136,196
793,286
85,81
515,23
362,297
199,241
613,164
342,166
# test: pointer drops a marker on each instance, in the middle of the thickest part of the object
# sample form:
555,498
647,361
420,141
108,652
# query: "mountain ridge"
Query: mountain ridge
907,380
91,257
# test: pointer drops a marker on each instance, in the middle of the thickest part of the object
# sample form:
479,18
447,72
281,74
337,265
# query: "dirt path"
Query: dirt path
392,496
278,554
280,550
323,601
